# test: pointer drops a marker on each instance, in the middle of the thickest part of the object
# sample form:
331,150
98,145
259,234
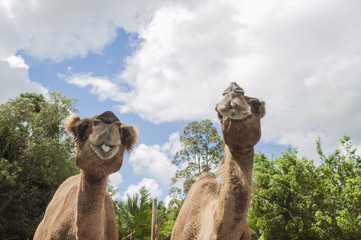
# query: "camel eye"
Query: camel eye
83,130
96,122
239,90
256,106
118,124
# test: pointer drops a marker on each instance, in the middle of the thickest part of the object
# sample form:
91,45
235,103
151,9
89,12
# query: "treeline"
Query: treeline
36,156
292,197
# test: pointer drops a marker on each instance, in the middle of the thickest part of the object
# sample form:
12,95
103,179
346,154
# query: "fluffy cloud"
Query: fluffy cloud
17,62
49,29
115,179
180,64
14,79
155,160
167,200
149,183
152,161
101,86
326,105
302,58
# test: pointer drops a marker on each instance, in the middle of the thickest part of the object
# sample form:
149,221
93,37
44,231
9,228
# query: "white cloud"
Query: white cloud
325,105
115,179
180,63
49,29
302,58
149,183
173,145
167,200
17,62
14,80
155,160
57,30
101,86
172,196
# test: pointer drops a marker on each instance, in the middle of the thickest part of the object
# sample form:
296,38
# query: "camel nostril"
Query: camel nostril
233,104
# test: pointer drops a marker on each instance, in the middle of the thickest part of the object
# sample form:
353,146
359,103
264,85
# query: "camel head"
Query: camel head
240,117
101,142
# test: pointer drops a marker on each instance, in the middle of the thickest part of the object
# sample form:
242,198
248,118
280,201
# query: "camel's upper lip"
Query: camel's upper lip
100,144
236,114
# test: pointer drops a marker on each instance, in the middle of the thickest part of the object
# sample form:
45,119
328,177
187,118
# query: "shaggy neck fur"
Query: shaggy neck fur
90,206
235,192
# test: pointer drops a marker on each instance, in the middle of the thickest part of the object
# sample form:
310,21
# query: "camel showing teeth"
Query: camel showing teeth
81,207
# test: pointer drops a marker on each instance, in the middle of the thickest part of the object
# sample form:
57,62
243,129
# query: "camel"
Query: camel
216,208
81,207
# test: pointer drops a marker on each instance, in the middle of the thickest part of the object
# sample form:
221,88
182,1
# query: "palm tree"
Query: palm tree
134,216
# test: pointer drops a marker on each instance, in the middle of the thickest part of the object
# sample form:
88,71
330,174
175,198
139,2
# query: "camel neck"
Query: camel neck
90,205
234,193
243,157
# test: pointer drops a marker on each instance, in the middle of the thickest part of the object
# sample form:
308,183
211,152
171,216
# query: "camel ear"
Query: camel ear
263,107
258,107
129,136
81,129
71,124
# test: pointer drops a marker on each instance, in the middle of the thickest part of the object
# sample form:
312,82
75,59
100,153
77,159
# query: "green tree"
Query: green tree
36,155
202,149
134,216
294,199
339,215
283,199
166,217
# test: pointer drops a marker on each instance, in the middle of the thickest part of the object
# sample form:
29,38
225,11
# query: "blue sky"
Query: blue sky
161,64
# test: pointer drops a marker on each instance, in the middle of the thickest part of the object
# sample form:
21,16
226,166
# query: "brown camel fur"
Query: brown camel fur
81,207
217,208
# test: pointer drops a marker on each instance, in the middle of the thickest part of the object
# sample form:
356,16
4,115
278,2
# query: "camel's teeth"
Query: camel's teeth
106,148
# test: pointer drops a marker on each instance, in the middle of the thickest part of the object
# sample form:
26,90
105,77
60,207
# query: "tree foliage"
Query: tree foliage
294,199
202,149
166,217
134,216
36,156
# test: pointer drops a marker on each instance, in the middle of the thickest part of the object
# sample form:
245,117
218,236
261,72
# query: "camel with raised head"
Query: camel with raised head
81,207
217,208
